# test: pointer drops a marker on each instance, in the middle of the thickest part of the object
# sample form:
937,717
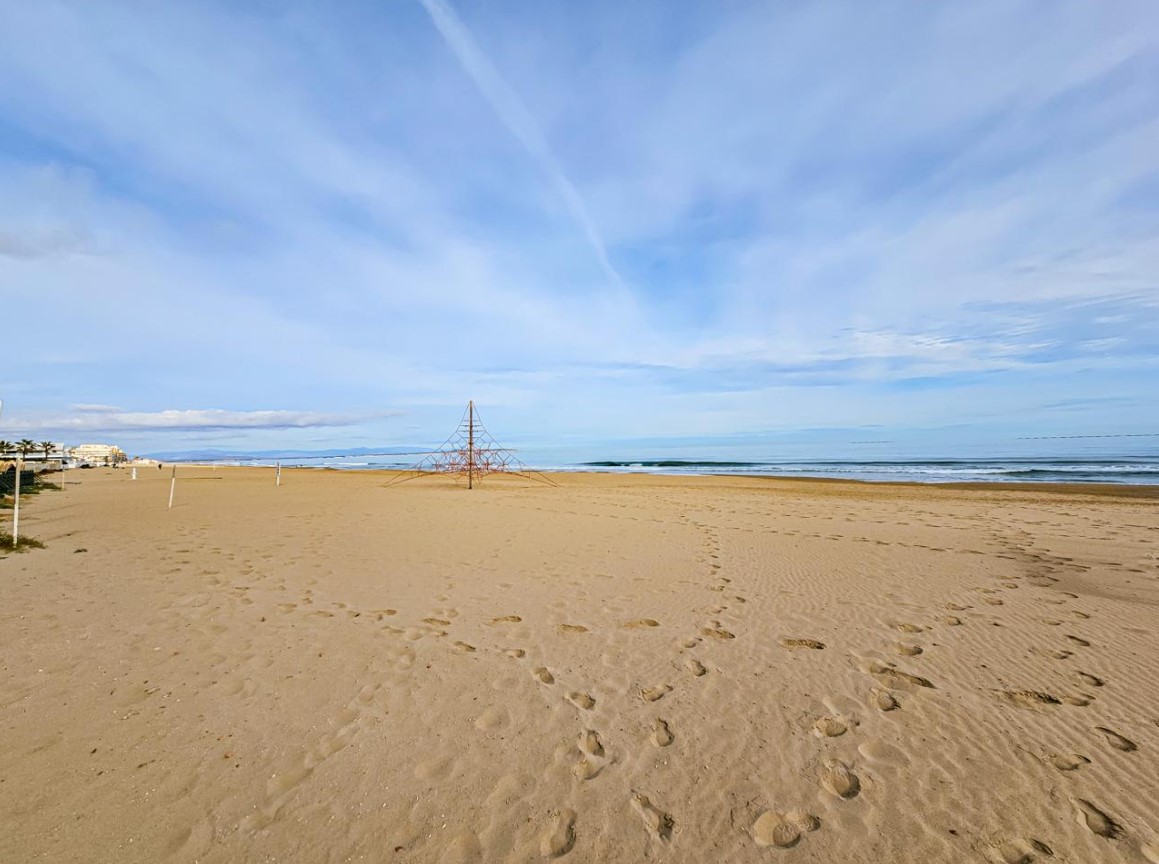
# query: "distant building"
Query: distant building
97,454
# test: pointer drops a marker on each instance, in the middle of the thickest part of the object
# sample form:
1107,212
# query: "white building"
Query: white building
97,454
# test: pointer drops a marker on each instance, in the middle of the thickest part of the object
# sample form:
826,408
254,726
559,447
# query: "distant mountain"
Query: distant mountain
241,455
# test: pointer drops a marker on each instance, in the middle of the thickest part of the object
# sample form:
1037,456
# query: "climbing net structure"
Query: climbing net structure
470,452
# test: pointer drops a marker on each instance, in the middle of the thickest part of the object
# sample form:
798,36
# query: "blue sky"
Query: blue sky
308,224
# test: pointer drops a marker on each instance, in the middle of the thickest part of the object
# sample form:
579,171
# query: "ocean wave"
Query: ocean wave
1064,470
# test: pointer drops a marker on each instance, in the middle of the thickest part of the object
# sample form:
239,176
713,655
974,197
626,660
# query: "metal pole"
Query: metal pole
471,444
16,504
172,486
278,475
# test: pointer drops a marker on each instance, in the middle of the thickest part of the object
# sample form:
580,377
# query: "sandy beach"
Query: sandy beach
620,668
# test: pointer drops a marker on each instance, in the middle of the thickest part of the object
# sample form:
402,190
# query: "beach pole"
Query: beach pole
172,486
133,476
16,504
278,475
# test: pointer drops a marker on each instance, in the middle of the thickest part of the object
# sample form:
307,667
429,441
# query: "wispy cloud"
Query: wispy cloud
33,243
518,120
97,418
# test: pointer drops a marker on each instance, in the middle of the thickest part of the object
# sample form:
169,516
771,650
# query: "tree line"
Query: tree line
26,446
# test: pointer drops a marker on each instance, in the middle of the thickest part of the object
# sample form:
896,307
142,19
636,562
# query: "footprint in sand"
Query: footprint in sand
814,644
593,759
1078,640
658,823
1021,852
883,700
909,628
1117,741
1069,761
543,676
572,628
586,769
464,648
952,620
830,727
652,694
661,735
491,719
589,743
716,632
506,619
695,667
1088,678
437,622
517,653
783,830
894,678
1028,698
839,779
907,649
560,837
581,700
1096,820
642,623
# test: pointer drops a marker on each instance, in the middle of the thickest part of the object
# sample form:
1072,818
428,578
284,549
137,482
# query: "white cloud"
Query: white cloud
106,419
518,120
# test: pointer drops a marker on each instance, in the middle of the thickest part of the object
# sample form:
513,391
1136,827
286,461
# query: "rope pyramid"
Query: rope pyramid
471,452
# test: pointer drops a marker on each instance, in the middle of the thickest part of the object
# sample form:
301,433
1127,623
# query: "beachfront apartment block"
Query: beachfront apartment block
97,454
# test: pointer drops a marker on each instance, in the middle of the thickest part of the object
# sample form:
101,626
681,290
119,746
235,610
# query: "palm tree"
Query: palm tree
47,447
26,446
5,447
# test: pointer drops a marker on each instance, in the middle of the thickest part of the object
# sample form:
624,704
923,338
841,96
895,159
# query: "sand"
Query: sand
614,669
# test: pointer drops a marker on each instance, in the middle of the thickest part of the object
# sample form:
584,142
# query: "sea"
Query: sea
1047,470
1136,466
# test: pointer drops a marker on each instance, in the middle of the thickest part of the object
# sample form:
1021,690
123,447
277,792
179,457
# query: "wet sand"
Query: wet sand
620,668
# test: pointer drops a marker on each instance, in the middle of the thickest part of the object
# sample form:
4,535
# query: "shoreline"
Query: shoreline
1067,487
1099,490
787,478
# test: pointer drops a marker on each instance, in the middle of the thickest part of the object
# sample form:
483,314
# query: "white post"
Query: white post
172,486
16,505
134,475
278,475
